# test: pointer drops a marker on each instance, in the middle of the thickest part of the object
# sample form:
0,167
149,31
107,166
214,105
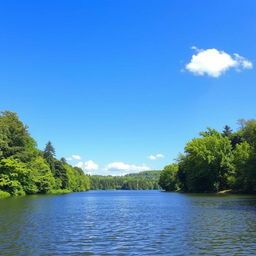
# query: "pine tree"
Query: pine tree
227,132
48,154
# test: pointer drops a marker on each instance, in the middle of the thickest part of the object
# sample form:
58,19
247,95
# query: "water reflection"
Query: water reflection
128,223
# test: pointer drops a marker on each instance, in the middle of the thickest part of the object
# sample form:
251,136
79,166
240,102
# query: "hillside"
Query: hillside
133,181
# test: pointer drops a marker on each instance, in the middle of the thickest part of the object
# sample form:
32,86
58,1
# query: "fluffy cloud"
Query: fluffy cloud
88,166
120,168
77,157
73,157
215,63
80,164
154,157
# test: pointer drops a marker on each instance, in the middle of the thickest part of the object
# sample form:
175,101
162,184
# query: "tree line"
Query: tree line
135,181
24,169
215,161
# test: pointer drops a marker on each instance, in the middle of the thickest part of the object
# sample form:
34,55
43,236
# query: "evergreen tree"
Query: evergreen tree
227,132
49,151
48,154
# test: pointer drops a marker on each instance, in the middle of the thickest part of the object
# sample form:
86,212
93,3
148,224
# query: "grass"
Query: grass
59,191
4,194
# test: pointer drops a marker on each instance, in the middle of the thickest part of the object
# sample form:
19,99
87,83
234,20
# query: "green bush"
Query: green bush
4,194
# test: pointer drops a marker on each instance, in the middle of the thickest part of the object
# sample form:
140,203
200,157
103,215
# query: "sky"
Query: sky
122,86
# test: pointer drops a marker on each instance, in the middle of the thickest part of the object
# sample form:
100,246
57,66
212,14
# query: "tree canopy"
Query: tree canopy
216,161
24,169
134,181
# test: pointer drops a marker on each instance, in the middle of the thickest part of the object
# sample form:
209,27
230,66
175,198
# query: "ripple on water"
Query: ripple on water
128,223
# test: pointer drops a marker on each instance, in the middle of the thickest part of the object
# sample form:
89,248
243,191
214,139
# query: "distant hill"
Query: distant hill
133,181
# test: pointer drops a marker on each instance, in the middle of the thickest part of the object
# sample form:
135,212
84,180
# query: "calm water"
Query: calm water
128,223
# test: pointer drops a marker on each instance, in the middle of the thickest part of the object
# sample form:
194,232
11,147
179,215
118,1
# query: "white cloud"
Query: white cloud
243,61
154,157
215,63
80,165
120,168
77,157
88,166
73,157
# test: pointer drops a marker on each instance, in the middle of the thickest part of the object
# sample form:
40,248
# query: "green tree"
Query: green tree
245,157
82,180
16,178
248,132
207,163
14,136
42,175
49,151
60,174
227,131
168,177
26,170
49,154
63,160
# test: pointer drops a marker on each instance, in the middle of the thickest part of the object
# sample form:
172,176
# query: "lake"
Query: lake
128,223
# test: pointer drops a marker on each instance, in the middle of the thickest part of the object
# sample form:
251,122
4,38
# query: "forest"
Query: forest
134,181
216,161
24,169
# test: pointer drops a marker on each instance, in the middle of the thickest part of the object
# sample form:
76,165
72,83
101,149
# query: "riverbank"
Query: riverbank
4,194
224,192
221,192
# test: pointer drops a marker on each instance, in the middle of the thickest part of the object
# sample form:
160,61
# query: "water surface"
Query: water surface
128,223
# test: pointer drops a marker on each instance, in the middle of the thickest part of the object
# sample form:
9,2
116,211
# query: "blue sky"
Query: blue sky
114,82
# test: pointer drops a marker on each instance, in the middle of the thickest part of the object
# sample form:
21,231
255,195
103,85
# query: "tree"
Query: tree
227,132
63,160
49,151
49,154
82,180
42,175
207,163
16,178
60,174
14,136
168,177
248,132
24,169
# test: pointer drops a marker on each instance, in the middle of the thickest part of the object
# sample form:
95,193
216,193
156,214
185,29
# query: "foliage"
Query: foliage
4,194
216,161
213,162
208,163
168,178
135,181
24,169
15,178
14,136
42,175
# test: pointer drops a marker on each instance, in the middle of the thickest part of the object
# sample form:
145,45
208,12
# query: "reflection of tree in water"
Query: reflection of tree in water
218,224
239,205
